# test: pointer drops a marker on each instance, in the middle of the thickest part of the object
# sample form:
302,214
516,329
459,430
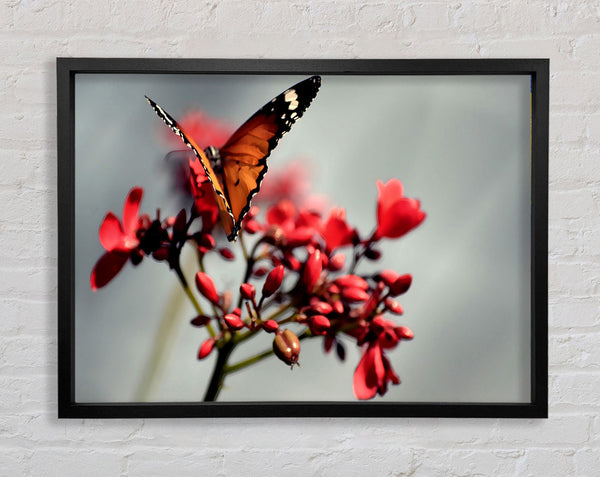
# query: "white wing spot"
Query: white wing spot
290,96
293,104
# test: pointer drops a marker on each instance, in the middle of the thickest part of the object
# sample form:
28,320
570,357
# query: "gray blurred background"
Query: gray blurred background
460,144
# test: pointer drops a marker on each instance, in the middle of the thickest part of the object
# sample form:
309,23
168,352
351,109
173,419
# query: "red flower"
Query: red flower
373,373
336,230
118,239
396,214
203,129
289,182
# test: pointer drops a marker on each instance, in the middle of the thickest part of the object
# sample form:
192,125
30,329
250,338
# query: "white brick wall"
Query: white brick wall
33,33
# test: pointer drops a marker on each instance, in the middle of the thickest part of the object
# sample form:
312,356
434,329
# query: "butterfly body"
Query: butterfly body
237,169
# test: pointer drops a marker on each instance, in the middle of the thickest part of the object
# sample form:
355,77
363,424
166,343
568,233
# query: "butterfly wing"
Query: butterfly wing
244,155
227,218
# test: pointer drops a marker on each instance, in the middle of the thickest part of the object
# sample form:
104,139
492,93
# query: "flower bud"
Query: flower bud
247,291
286,346
226,253
207,241
354,295
206,286
206,348
404,333
237,311
270,326
333,289
260,272
312,270
393,306
319,324
336,262
226,300
338,307
200,320
233,321
160,254
352,281
321,307
252,226
179,225
400,285
387,276
273,281
292,262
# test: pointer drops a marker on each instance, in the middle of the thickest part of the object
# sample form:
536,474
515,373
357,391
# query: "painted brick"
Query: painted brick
34,442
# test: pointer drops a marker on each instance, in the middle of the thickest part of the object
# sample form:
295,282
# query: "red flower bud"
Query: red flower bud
237,311
338,307
393,306
226,300
206,348
400,285
333,289
319,324
388,276
160,254
270,326
352,281
247,291
252,226
292,262
260,272
233,322
226,254
200,320
206,286
321,307
354,295
404,333
336,262
312,270
286,346
207,241
273,281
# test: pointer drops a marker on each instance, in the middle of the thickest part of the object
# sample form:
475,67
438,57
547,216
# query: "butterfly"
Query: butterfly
237,169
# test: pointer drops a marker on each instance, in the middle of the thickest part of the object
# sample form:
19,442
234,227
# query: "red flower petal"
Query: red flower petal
396,215
131,210
111,234
336,231
106,268
369,373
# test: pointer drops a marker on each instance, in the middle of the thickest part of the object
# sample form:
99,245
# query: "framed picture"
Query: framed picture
340,238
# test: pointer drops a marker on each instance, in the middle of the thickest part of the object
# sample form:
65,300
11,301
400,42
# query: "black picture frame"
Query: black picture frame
538,69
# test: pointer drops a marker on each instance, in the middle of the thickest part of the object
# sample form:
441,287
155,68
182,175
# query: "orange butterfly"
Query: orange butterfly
238,168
